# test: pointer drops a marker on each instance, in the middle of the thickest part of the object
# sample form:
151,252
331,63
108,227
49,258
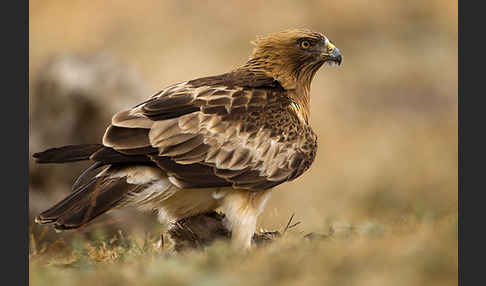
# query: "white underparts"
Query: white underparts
156,192
219,193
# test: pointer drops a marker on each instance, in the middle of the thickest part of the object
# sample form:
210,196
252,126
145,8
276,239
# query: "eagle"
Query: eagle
220,142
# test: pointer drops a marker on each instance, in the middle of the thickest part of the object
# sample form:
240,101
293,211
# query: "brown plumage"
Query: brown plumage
215,142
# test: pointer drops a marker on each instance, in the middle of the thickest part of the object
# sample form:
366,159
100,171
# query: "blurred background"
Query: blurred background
386,118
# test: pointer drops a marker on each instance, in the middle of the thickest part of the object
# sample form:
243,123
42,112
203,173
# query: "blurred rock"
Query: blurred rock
72,100
74,97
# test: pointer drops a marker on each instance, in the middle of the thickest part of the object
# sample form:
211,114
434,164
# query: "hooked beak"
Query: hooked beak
332,54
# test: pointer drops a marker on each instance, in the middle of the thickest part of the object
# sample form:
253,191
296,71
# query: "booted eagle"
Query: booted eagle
219,142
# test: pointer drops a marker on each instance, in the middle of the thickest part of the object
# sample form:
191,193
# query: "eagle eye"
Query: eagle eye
305,44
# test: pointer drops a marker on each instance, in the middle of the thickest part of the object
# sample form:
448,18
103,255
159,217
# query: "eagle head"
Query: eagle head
293,56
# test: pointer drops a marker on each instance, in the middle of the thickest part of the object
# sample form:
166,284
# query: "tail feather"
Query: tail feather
94,194
55,212
85,174
89,201
69,153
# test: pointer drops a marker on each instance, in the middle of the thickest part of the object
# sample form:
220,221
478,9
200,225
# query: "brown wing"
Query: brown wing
209,133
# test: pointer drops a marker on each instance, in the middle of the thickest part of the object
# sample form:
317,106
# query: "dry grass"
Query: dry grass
385,178
417,253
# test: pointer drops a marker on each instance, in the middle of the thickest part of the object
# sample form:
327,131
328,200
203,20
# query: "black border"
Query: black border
472,147
16,88
15,118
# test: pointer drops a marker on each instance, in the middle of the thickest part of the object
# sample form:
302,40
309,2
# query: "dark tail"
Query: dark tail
87,202
69,153
92,195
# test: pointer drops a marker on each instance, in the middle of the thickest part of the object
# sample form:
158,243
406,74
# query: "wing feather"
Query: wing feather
126,138
212,132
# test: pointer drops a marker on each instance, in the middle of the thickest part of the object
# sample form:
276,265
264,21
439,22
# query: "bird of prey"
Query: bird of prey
218,142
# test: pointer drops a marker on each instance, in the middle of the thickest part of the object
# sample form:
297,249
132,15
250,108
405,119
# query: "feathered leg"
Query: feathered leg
242,209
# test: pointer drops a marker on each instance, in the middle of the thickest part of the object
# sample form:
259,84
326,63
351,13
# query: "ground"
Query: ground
408,252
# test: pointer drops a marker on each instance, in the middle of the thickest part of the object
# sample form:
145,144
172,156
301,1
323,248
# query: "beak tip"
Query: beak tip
336,53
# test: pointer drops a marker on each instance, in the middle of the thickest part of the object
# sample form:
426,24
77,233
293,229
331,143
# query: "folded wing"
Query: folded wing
212,132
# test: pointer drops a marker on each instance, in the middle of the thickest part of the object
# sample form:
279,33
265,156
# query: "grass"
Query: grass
410,252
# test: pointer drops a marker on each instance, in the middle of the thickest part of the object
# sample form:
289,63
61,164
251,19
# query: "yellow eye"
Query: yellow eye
305,44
